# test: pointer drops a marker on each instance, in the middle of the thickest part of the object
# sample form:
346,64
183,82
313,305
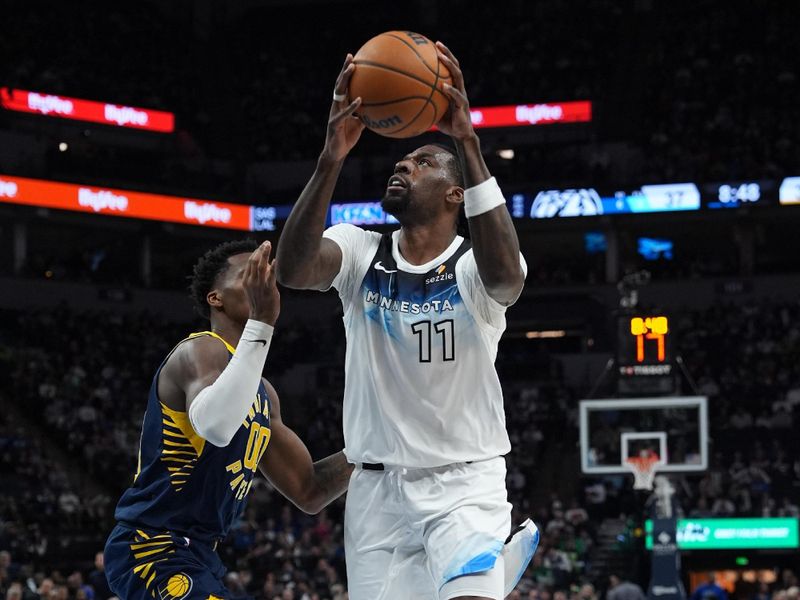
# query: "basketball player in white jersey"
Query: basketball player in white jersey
427,515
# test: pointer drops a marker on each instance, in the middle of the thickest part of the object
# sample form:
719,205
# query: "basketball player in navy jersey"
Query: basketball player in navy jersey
211,422
427,515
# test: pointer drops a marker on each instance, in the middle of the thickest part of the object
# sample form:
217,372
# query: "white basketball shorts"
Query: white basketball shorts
427,534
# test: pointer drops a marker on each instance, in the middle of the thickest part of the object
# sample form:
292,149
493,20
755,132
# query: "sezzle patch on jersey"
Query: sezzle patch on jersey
438,278
440,275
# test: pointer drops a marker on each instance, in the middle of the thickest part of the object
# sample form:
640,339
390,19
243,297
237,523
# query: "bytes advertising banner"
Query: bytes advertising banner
114,202
87,110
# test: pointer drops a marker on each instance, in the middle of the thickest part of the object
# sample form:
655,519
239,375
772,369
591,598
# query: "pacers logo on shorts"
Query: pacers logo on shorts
177,587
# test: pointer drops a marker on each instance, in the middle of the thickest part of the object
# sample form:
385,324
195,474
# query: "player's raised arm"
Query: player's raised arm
307,261
311,486
219,393
494,239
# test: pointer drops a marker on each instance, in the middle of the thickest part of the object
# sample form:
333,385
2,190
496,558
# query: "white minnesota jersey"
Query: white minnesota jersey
421,389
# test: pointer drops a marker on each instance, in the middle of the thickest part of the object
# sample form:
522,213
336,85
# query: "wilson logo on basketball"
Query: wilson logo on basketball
419,40
383,123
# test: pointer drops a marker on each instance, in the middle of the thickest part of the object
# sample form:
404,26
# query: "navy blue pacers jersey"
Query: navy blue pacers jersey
186,485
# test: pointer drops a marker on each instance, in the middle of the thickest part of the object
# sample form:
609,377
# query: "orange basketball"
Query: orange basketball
399,78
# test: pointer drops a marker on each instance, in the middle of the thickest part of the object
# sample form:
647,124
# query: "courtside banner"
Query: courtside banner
517,115
87,110
134,205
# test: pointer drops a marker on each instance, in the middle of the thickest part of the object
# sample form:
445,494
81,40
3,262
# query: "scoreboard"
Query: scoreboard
644,353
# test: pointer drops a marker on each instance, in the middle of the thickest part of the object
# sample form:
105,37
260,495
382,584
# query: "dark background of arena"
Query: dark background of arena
702,91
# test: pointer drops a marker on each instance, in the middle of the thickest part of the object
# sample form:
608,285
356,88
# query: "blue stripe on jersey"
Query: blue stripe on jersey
183,483
387,291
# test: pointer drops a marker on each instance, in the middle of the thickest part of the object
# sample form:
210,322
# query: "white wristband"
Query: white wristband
256,331
482,198
217,412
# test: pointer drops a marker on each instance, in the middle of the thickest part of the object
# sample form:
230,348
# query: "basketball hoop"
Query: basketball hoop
643,469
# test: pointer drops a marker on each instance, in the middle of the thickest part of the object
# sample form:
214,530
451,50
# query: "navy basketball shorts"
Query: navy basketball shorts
143,564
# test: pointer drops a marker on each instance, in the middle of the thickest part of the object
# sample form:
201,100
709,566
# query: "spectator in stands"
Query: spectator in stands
97,579
7,566
587,592
621,589
709,590
576,515
741,419
701,509
557,561
788,509
14,592
763,592
45,587
596,496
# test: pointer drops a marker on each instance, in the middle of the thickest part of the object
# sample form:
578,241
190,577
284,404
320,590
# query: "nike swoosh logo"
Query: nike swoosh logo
263,342
380,267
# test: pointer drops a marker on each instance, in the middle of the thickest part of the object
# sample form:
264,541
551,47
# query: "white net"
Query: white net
644,470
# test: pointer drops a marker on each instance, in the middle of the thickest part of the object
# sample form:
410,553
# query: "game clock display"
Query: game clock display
644,345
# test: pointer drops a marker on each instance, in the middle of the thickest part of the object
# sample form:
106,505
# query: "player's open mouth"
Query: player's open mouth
396,183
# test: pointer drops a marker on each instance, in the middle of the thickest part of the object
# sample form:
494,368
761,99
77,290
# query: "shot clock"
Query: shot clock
650,329
644,345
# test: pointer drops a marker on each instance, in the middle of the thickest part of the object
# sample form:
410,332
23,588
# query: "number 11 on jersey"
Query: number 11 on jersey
424,332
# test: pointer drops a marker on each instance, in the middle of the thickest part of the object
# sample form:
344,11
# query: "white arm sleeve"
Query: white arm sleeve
218,410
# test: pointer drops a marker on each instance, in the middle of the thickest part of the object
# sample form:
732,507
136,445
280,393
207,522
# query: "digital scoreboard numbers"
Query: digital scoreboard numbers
644,346
738,194
650,329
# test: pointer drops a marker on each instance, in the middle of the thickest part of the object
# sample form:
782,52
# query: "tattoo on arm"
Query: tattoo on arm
304,259
472,163
331,475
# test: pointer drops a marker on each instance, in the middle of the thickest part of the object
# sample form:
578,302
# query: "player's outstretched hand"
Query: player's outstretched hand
261,287
344,127
456,122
